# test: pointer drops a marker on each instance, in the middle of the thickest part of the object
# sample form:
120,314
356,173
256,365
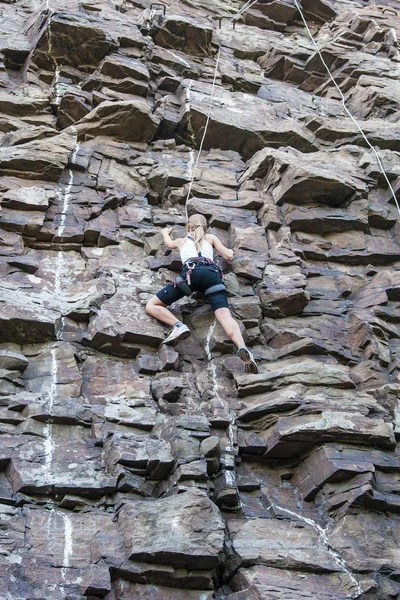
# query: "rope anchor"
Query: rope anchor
230,19
159,5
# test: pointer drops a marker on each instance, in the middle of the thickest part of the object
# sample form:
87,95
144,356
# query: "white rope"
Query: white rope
345,107
245,7
248,5
205,130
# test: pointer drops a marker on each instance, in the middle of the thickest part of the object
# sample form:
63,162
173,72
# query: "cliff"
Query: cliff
130,470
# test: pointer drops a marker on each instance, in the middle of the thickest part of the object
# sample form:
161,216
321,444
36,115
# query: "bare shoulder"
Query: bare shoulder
180,241
210,238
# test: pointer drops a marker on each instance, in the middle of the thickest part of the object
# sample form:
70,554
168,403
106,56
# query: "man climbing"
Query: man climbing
199,274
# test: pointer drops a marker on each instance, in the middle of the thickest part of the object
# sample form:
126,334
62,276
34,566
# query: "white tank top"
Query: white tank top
189,250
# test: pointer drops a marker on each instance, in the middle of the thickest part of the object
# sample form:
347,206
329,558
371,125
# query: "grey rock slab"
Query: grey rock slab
329,464
293,434
27,197
68,39
319,10
295,177
267,583
364,552
137,591
15,104
184,531
259,409
184,34
27,318
63,460
11,244
12,360
306,371
356,216
239,121
278,543
143,456
168,388
119,67
41,159
129,120
122,326
108,381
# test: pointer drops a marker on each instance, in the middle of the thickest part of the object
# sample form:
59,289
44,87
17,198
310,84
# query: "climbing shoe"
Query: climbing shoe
250,365
178,333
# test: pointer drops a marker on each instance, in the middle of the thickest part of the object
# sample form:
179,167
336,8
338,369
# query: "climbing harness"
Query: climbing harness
183,281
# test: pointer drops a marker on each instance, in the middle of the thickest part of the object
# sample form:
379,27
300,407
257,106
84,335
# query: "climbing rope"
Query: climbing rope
242,10
345,107
245,7
205,130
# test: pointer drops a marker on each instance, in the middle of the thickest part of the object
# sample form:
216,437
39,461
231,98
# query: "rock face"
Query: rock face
130,470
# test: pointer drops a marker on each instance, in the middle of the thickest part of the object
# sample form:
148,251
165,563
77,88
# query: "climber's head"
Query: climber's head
197,226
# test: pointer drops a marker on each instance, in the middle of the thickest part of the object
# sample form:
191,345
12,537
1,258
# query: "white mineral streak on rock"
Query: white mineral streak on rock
66,203
56,85
322,534
53,383
231,434
67,193
75,152
230,479
211,368
208,340
49,448
190,165
68,547
182,60
49,445
187,109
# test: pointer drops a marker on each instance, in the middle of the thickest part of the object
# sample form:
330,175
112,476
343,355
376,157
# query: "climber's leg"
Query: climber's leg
231,328
158,309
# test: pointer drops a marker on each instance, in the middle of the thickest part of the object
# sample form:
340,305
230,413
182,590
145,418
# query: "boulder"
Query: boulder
69,39
129,120
42,159
185,34
303,370
264,583
238,121
143,456
195,542
122,327
297,178
278,543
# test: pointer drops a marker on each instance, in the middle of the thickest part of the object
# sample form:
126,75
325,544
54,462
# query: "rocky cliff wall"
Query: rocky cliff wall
134,471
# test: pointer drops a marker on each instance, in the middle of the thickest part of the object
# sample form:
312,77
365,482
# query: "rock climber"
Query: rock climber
199,274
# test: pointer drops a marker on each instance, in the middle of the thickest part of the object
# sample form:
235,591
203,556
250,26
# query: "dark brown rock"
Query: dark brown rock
69,40
148,534
184,34
129,120
43,159
307,178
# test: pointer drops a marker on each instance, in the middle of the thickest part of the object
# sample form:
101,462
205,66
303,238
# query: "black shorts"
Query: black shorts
201,278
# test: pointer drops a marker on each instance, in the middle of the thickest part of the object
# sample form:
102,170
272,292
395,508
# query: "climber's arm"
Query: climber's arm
225,252
168,241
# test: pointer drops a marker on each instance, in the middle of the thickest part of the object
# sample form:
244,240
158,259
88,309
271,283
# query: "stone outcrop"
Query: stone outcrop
131,470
